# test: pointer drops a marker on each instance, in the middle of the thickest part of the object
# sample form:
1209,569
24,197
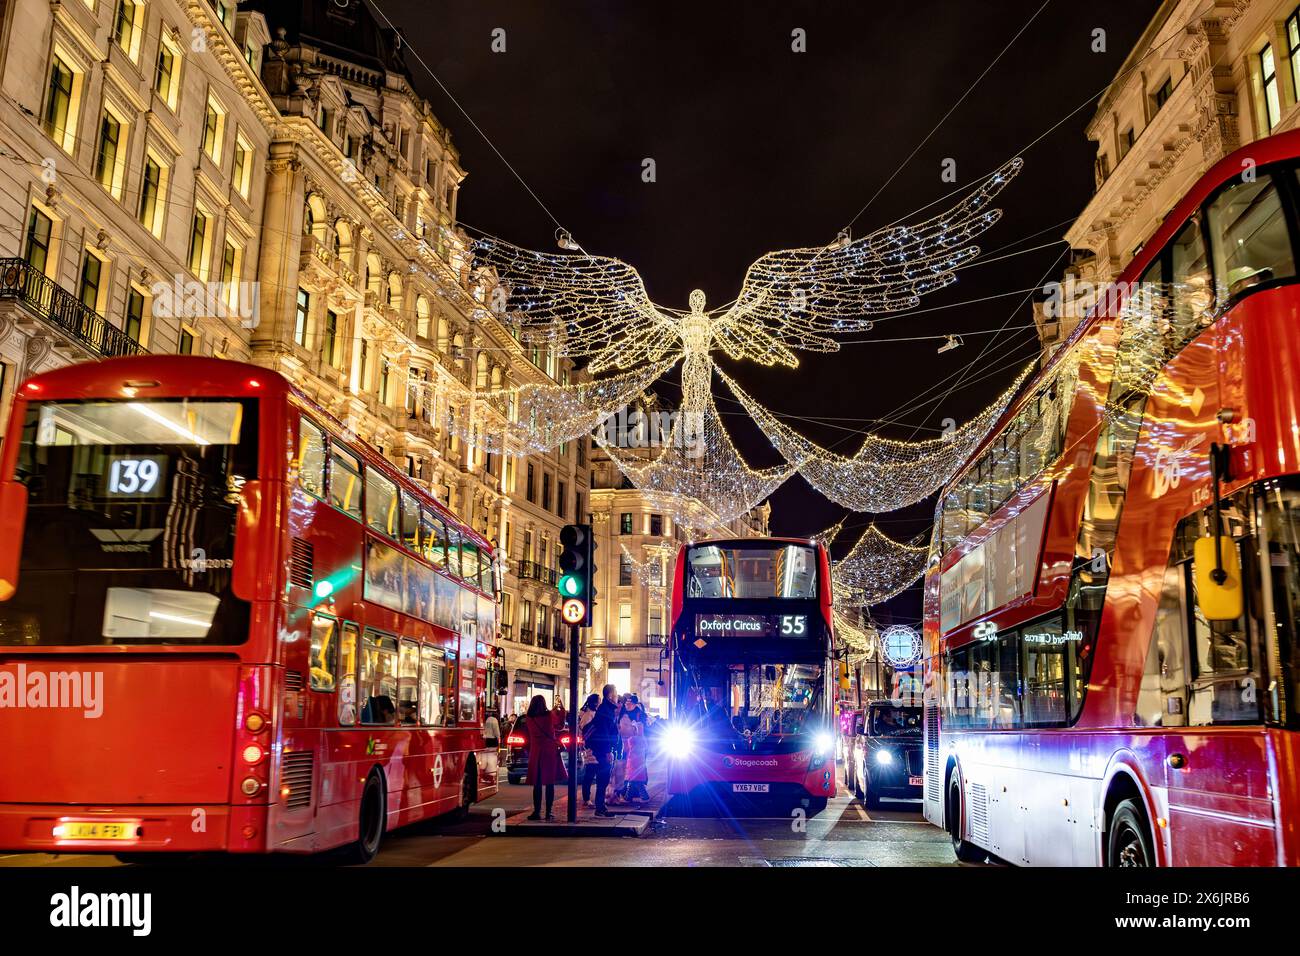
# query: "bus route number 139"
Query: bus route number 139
794,625
133,476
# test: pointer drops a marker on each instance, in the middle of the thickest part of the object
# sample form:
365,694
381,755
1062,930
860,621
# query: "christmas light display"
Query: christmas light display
657,566
533,418
877,568
795,299
826,537
861,639
884,475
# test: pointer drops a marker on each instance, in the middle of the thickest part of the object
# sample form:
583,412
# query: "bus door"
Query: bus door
1204,683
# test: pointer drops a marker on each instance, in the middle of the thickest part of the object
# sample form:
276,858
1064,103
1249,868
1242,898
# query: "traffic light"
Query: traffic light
577,583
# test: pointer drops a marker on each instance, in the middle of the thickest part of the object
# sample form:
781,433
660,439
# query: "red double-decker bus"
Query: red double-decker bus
1113,604
751,695
226,624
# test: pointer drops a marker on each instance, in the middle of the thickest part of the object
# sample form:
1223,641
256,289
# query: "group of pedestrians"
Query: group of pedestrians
615,748
613,730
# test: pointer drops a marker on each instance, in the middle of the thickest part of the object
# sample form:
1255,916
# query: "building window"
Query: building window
186,344
530,488
1268,80
300,317
241,172
108,169
151,196
385,376
60,105
1126,141
1293,49
657,526
561,499
126,28
214,122
1165,91
166,81
37,250
330,338
578,513
134,324
199,239
625,523
625,570
89,288
231,257
625,623
546,490
226,14
253,54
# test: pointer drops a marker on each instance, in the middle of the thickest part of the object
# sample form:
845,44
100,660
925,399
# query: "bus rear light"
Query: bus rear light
249,832
251,786
253,754
255,723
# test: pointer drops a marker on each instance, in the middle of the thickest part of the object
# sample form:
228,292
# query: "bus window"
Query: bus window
345,481
311,458
348,676
1248,236
324,653
453,551
469,561
1192,298
1162,697
381,503
408,669
435,539
433,686
378,679
411,523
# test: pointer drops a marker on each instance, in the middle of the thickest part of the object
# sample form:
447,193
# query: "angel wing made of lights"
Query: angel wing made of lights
790,300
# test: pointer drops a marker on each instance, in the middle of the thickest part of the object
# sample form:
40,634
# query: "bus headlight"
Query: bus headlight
679,742
823,742
884,757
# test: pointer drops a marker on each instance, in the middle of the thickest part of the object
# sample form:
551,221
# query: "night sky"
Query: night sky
758,148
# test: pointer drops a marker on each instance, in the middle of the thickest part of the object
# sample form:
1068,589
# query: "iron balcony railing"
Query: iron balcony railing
536,571
49,301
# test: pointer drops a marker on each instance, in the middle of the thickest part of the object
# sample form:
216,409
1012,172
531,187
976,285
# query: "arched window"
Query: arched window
343,240
394,293
374,276
481,371
496,376
443,333
314,217
422,317
458,349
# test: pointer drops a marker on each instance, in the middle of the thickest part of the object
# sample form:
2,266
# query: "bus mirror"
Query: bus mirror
1216,568
13,515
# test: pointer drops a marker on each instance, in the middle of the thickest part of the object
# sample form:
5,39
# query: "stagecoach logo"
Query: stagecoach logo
746,762
1167,472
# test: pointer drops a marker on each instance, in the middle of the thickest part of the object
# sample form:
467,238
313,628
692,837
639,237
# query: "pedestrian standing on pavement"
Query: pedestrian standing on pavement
589,764
602,738
492,731
619,794
631,728
559,716
545,768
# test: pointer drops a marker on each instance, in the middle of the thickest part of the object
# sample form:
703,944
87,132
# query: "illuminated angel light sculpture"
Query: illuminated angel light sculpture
597,308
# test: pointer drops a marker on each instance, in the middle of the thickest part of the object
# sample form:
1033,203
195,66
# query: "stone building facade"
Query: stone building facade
1203,79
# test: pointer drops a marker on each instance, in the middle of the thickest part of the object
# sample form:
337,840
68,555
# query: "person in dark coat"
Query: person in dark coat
545,767
602,739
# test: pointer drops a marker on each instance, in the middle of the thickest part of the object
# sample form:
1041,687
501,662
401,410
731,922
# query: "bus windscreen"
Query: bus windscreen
130,525
751,571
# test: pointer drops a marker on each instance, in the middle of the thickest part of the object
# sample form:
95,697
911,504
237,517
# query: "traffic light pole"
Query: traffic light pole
574,749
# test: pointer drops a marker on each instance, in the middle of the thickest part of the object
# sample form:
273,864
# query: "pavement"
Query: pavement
628,820
845,834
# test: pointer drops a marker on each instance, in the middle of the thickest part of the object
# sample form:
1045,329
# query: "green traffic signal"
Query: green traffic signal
570,585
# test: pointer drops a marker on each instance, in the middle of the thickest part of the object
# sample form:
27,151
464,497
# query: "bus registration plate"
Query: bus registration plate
749,788
98,830
914,781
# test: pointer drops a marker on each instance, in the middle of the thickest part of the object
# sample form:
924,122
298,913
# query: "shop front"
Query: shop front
533,673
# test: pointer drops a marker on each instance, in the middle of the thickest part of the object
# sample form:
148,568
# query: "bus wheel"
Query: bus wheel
1129,844
965,851
370,823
